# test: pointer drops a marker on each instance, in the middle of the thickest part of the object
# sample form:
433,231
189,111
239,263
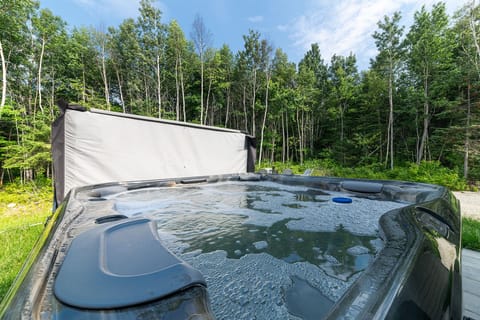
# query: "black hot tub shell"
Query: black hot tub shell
111,251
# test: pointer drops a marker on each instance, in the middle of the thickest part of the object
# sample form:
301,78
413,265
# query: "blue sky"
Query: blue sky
340,26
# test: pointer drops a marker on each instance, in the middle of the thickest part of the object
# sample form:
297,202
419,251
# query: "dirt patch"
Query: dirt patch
469,203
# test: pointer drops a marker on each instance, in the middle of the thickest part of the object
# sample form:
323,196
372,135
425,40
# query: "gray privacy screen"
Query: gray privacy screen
91,147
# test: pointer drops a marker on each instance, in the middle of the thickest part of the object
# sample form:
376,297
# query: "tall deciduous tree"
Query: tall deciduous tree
389,58
14,15
319,87
125,52
266,50
344,80
100,42
202,38
429,56
253,55
176,51
467,32
48,28
226,78
283,97
421,105
152,43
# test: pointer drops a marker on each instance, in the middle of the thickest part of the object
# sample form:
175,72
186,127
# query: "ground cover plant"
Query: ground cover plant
23,212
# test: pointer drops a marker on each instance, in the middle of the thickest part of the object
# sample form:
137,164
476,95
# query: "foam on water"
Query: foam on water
263,203
250,239
255,286
259,245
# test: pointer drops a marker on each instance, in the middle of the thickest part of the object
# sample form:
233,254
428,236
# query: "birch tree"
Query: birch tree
176,50
390,47
429,53
202,38
14,15
100,40
152,43
48,27
467,31
266,50
252,54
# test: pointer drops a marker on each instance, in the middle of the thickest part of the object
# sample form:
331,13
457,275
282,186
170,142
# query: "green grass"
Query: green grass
23,211
471,234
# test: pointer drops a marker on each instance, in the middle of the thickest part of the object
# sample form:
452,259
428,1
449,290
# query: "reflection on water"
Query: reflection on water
204,232
310,195
305,301
291,223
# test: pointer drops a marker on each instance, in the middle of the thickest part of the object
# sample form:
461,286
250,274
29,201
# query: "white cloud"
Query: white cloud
255,19
347,25
106,9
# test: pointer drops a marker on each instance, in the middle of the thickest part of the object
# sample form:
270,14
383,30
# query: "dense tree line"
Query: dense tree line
419,99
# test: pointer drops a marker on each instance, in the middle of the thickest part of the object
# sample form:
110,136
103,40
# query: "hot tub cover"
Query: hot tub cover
96,146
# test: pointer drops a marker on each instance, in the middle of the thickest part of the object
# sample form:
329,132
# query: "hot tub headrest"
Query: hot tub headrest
121,264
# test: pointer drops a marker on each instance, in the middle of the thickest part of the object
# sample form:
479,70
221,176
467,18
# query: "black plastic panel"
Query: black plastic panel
121,265
362,186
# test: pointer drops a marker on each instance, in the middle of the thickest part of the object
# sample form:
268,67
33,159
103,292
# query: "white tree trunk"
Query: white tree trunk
228,108
390,118
52,95
208,103
201,90
4,80
264,121
84,86
120,89
183,92
283,139
300,136
159,88
104,77
253,100
426,121
177,88
39,83
467,136
474,35
245,107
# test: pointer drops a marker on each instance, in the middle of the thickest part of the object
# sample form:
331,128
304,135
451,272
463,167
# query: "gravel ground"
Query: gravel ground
469,203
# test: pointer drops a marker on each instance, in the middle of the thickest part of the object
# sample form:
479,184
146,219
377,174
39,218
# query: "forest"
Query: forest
417,101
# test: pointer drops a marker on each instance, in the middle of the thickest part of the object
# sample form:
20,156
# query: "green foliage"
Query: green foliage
23,211
417,101
28,193
427,172
31,151
470,233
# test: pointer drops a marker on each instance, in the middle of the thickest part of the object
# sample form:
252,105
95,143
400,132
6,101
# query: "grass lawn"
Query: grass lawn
471,234
23,211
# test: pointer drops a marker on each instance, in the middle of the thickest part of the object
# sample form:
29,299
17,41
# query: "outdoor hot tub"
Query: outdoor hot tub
246,246
159,219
